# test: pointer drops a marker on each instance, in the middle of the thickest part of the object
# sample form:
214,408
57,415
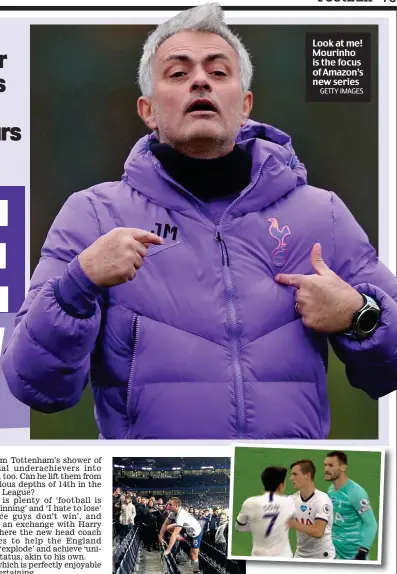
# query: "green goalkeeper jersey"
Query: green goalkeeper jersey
354,523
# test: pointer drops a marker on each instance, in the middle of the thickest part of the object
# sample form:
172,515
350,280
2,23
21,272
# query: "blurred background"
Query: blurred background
84,123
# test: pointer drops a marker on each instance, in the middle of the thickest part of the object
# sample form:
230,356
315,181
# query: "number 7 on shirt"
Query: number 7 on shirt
273,517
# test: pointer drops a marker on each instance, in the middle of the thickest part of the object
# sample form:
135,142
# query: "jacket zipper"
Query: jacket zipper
239,388
134,337
238,375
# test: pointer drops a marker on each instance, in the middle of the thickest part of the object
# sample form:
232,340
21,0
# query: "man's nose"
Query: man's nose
200,82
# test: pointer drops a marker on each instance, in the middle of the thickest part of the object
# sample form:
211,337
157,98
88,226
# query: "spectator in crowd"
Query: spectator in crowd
151,525
115,497
118,493
127,516
116,512
143,519
213,525
206,529
160,516
221,533
201,519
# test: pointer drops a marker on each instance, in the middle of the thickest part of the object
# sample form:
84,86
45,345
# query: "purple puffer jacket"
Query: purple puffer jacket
203,343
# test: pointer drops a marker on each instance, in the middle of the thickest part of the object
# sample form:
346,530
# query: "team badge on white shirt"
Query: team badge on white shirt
317,507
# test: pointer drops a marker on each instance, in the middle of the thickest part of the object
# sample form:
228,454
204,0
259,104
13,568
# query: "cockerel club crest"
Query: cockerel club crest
279,253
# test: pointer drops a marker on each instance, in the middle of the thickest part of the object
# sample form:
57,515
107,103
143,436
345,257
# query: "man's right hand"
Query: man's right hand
114,258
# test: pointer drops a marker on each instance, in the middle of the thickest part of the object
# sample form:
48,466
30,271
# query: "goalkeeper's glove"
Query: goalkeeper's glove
362,554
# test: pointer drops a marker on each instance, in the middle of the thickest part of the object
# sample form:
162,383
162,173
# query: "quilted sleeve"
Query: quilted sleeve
371,364
47,360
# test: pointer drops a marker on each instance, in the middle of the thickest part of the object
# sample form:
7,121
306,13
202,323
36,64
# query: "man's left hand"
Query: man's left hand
166,552
325,302
291,523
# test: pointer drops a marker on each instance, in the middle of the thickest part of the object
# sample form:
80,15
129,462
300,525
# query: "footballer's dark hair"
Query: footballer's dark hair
341,456
272,477
306,465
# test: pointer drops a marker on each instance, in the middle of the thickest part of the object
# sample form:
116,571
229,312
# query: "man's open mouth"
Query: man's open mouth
201,105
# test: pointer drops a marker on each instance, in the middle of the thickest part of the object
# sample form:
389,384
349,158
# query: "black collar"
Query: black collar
206,179
307,499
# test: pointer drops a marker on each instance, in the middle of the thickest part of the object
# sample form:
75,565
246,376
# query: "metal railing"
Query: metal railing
213,561
213,553
128,553
115,529
169,564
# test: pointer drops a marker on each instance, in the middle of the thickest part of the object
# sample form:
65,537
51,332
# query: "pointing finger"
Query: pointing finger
146,237
293,280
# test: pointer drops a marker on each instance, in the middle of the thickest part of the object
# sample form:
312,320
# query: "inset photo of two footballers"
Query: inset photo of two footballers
306,504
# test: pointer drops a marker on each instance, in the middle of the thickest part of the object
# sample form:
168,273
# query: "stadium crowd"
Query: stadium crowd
137,508
155,482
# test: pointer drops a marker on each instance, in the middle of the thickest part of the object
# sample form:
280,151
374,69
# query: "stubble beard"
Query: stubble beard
204,144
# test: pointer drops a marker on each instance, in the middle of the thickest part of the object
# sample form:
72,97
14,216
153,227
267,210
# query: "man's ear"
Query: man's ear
247,106
145,112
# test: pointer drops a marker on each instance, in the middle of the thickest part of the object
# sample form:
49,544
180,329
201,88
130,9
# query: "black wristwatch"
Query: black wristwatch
365,320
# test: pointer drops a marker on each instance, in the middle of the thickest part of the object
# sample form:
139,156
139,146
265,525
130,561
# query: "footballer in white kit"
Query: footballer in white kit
266,516
313,514
180,521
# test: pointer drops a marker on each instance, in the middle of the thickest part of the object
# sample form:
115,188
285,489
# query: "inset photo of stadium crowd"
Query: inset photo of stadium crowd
171,516
309,505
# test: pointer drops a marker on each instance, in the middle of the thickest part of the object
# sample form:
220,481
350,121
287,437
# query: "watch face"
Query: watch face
368,320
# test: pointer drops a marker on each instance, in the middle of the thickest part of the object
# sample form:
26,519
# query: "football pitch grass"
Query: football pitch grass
249,462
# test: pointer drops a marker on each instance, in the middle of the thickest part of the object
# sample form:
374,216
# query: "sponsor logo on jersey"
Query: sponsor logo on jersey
364,505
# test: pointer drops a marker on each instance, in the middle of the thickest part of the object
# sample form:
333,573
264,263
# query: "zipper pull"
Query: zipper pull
220,241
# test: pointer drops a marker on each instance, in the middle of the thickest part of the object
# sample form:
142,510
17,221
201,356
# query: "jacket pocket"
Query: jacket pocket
135,327
154,249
